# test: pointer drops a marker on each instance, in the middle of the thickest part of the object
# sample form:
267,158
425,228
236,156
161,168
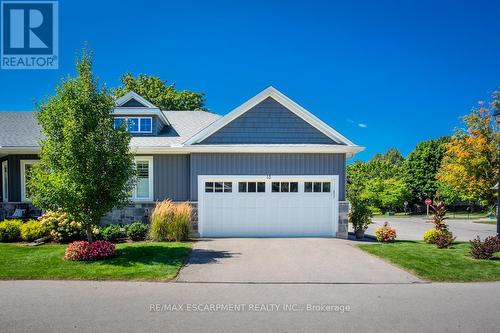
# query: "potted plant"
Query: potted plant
360,216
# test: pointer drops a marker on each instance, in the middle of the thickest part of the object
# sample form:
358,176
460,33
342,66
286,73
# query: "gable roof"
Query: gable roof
133,95
147,108
20,132
286,102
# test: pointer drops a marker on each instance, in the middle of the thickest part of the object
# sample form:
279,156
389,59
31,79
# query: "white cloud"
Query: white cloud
362,125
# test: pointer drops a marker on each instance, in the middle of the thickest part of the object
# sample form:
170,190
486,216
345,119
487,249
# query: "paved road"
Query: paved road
412,228
286,260
52,306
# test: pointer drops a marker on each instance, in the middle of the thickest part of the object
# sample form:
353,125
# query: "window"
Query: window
25,176
317,187
135,124
146,125
285,187
251,187
219,187
144,187
5,181
118,122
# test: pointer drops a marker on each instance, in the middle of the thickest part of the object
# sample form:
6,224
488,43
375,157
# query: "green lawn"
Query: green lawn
486,222
135,261
430,263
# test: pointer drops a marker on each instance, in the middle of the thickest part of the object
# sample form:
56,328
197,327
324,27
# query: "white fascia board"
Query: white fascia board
339,149
350,151
280,98
132,94
141,112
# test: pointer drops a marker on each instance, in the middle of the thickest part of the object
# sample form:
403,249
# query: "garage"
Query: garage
268,206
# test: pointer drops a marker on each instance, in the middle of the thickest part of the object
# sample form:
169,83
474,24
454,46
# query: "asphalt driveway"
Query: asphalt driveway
412,228
286,260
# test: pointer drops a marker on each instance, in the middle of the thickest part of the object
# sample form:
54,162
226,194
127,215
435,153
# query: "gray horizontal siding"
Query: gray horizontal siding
268,122
265,164
171,177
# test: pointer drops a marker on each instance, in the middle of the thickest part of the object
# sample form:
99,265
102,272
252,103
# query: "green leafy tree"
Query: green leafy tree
421,167
379,181
164,96
85,166
470,164
392,155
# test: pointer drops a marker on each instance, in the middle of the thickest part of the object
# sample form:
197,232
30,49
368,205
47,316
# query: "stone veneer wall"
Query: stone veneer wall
342,231
8,208
141,212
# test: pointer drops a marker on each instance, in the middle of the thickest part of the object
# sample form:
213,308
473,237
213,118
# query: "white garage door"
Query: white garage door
267,206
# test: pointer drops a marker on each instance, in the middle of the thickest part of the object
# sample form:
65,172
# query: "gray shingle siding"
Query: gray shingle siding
171,177
268,122
267,164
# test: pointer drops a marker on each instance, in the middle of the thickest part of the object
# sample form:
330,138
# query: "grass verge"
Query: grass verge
430,263
135,261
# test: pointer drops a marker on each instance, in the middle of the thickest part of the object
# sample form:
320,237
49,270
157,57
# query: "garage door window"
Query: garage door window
317,187
218,187
251,187
285,187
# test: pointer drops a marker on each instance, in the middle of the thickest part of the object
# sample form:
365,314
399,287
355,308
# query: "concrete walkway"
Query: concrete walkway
79,306
287,260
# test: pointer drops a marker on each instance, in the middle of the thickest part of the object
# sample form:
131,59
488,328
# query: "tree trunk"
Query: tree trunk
88,230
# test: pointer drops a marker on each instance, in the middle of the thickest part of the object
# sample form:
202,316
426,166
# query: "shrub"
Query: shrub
430,236
112,233
360,215
178,229
61,228
385,234
444,239
170,222
162,215
486,249
85,251
137,231
33,230
10,230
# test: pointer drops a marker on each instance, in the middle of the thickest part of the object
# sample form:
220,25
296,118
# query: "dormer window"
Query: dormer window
135,124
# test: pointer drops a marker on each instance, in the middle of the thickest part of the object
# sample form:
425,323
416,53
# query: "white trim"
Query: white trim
280,98
139,119
23,178
5,177
149,159
133,95
139,112
179,149
325,149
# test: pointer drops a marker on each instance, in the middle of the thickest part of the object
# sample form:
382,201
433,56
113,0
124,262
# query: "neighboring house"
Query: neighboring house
267,168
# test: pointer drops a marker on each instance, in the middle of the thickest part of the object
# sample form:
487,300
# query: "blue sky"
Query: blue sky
383,73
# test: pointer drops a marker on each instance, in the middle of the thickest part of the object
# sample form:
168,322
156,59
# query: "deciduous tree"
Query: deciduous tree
164,96
85,166
470,164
